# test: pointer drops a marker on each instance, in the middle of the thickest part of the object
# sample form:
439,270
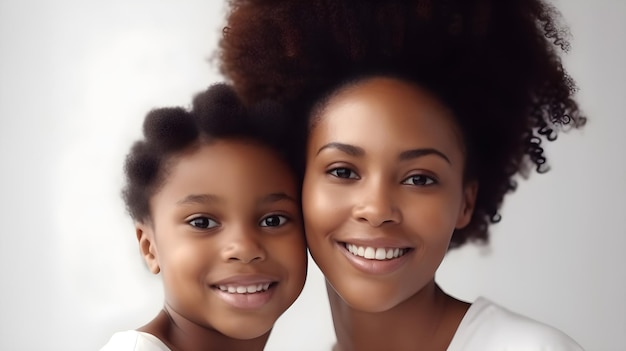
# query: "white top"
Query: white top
132,340
485,327
489,327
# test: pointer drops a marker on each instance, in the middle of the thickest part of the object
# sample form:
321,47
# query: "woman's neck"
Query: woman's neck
180,334
426,321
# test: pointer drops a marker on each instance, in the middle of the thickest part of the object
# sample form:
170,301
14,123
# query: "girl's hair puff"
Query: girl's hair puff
215,114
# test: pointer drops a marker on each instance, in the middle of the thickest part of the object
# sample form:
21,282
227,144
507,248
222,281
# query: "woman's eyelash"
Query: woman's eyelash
420,180
343,172
416,179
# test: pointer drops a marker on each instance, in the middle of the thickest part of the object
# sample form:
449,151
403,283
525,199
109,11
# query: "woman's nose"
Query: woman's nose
377,205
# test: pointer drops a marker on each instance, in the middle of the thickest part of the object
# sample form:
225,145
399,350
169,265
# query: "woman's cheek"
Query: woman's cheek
321,206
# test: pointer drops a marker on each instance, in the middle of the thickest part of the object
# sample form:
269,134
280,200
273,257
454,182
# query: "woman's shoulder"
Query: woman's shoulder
488,326
132,340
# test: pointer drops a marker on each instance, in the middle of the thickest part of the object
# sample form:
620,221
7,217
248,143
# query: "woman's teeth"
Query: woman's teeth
372,253
240,289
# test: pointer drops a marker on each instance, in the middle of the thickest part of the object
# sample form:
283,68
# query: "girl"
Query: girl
217,213
418,115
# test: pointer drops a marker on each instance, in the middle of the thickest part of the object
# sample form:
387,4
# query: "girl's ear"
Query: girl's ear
147,246
468,204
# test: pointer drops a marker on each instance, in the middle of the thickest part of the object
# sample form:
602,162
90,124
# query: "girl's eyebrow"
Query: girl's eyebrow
207,198
275,197
404,156
199,199
347,148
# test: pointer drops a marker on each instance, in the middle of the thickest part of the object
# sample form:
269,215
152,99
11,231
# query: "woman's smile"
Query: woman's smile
383,191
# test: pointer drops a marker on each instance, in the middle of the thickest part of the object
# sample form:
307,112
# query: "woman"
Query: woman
418,116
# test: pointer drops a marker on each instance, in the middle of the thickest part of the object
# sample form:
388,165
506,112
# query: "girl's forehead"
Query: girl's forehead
222,154
232,170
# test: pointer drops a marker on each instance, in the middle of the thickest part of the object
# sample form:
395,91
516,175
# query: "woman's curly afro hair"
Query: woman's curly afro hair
216,113
495,63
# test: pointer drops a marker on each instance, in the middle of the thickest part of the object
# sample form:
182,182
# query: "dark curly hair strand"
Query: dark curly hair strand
494,63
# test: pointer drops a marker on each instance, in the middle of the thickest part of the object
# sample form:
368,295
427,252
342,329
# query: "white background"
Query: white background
76,78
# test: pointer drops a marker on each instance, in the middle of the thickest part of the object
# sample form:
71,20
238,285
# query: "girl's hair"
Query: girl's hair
495,63
215,114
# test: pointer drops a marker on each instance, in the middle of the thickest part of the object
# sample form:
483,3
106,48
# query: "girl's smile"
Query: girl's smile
250,291
227,238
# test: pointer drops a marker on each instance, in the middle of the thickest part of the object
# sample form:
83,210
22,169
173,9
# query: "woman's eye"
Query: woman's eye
273,221
419,180
343,172
203,223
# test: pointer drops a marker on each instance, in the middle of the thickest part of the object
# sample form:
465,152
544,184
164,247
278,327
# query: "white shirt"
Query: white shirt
485,327
489,327
132,340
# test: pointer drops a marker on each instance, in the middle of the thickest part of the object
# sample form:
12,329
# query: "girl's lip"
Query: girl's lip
246,279
246,291
244,300
373,266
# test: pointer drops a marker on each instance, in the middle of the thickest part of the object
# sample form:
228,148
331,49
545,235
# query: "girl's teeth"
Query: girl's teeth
248,289
378,253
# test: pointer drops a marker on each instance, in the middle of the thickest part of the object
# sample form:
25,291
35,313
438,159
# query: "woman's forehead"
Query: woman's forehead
388,109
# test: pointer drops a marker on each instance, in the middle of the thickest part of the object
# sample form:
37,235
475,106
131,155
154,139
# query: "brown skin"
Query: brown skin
228,214
384,170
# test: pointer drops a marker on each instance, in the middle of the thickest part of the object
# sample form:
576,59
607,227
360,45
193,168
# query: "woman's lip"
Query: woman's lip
373,266
389,243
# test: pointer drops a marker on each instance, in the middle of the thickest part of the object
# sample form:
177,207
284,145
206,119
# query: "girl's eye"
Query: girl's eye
203,223
273,221
419,180
343,172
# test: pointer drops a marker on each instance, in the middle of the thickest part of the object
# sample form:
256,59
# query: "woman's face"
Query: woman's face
226,236
383,191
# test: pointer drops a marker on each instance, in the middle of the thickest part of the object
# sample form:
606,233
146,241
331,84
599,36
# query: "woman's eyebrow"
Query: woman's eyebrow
346,148
404,156
416,153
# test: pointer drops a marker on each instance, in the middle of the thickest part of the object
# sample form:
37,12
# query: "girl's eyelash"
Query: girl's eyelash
203,222
273,223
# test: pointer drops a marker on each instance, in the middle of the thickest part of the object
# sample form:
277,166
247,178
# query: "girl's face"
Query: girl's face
383,191
227,238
